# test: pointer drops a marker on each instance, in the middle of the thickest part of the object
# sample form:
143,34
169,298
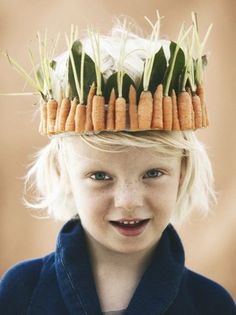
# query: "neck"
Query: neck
109,266
103,258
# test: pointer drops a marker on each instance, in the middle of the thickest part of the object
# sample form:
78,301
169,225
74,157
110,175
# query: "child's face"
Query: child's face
139,184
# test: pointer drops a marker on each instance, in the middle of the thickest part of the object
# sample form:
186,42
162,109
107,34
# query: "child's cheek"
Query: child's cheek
91,201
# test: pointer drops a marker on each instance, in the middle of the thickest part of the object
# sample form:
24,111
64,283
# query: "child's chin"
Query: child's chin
130,249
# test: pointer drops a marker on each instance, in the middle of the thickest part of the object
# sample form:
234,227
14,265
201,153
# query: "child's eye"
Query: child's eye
103,176
154,173
99,176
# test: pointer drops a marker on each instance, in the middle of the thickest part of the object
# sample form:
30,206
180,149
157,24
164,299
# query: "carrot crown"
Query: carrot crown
98,65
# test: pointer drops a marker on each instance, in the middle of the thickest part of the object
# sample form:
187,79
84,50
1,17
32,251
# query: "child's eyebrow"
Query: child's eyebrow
81,159
91,164
97,166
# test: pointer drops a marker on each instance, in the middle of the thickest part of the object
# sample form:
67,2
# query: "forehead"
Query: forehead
80,151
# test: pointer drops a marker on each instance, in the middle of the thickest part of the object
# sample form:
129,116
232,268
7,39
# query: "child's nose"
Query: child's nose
129,196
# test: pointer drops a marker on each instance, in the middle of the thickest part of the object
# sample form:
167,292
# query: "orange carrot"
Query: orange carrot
89,122
61,96
193,119
57,117
98,112
201,94
51,115
110,125
63,114
133,114
184,102
43,118
175,122
120,117
157,116
80,118
70,121
192,111
167,112
145,109
197,110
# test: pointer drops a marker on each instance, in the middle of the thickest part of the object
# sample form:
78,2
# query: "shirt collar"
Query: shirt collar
155,292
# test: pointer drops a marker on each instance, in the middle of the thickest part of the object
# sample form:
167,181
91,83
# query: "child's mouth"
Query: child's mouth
130,229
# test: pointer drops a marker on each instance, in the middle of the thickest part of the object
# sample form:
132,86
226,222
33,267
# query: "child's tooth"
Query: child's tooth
129,222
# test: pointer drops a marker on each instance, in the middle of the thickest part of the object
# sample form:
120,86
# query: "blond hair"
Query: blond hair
49,179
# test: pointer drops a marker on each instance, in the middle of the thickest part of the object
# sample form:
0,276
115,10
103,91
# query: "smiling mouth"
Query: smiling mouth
129,225
128,229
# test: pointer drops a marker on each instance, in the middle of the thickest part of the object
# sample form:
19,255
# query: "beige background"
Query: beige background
210,244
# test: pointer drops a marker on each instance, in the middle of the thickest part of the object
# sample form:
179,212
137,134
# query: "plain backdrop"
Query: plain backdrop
210,244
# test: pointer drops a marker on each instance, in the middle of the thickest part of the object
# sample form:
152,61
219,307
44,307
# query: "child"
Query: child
120,191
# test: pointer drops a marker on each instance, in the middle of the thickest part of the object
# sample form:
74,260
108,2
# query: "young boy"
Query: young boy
119,192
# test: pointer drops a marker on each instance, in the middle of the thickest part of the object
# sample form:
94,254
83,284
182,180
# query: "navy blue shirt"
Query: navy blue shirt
62,282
